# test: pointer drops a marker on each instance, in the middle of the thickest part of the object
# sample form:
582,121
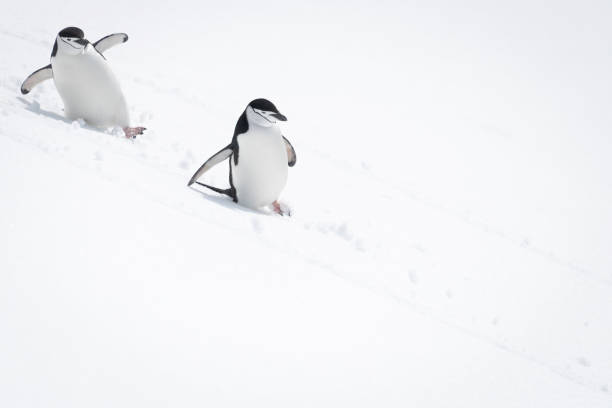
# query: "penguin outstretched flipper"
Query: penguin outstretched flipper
110,41
45,73
36,78
216,158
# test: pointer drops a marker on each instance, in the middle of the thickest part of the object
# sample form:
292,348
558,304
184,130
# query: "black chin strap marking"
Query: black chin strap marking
76,48
263,116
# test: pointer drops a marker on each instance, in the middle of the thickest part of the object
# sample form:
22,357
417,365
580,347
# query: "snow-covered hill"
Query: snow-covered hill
450,243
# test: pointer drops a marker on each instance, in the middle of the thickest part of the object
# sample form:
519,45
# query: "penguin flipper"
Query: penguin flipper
36,78
213,161
110,41
291,156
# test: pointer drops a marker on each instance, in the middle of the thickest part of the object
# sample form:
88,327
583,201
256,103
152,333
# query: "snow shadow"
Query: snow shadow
34,107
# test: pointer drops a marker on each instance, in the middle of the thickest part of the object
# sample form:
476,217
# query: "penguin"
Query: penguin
84,80
259,158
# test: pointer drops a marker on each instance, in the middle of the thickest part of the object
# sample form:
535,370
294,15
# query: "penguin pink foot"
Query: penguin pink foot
281,209
132,132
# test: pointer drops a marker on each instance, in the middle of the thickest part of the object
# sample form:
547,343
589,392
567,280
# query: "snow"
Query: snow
451,228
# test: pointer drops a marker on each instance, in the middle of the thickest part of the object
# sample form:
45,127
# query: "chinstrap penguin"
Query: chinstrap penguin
259,155
88,87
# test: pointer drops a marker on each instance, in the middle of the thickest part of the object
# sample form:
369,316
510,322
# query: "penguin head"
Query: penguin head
70,41
262,112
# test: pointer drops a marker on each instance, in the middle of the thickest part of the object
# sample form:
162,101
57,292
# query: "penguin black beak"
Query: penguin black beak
279,116
82,42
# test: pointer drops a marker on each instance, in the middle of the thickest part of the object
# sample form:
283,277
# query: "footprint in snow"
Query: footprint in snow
256,224
414,278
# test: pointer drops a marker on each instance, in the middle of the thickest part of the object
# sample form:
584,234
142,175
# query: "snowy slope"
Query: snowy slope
451,198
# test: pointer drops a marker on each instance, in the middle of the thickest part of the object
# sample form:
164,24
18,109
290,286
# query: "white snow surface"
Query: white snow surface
452,209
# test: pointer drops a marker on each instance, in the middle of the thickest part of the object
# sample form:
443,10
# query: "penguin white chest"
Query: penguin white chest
261,173
89,89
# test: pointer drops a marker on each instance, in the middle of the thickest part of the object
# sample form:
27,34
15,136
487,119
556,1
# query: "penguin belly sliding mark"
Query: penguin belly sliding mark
259,158
83,78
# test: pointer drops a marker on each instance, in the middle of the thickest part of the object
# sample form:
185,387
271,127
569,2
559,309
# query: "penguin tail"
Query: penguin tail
231,192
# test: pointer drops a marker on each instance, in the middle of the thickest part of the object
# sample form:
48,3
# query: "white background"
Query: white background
450,243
